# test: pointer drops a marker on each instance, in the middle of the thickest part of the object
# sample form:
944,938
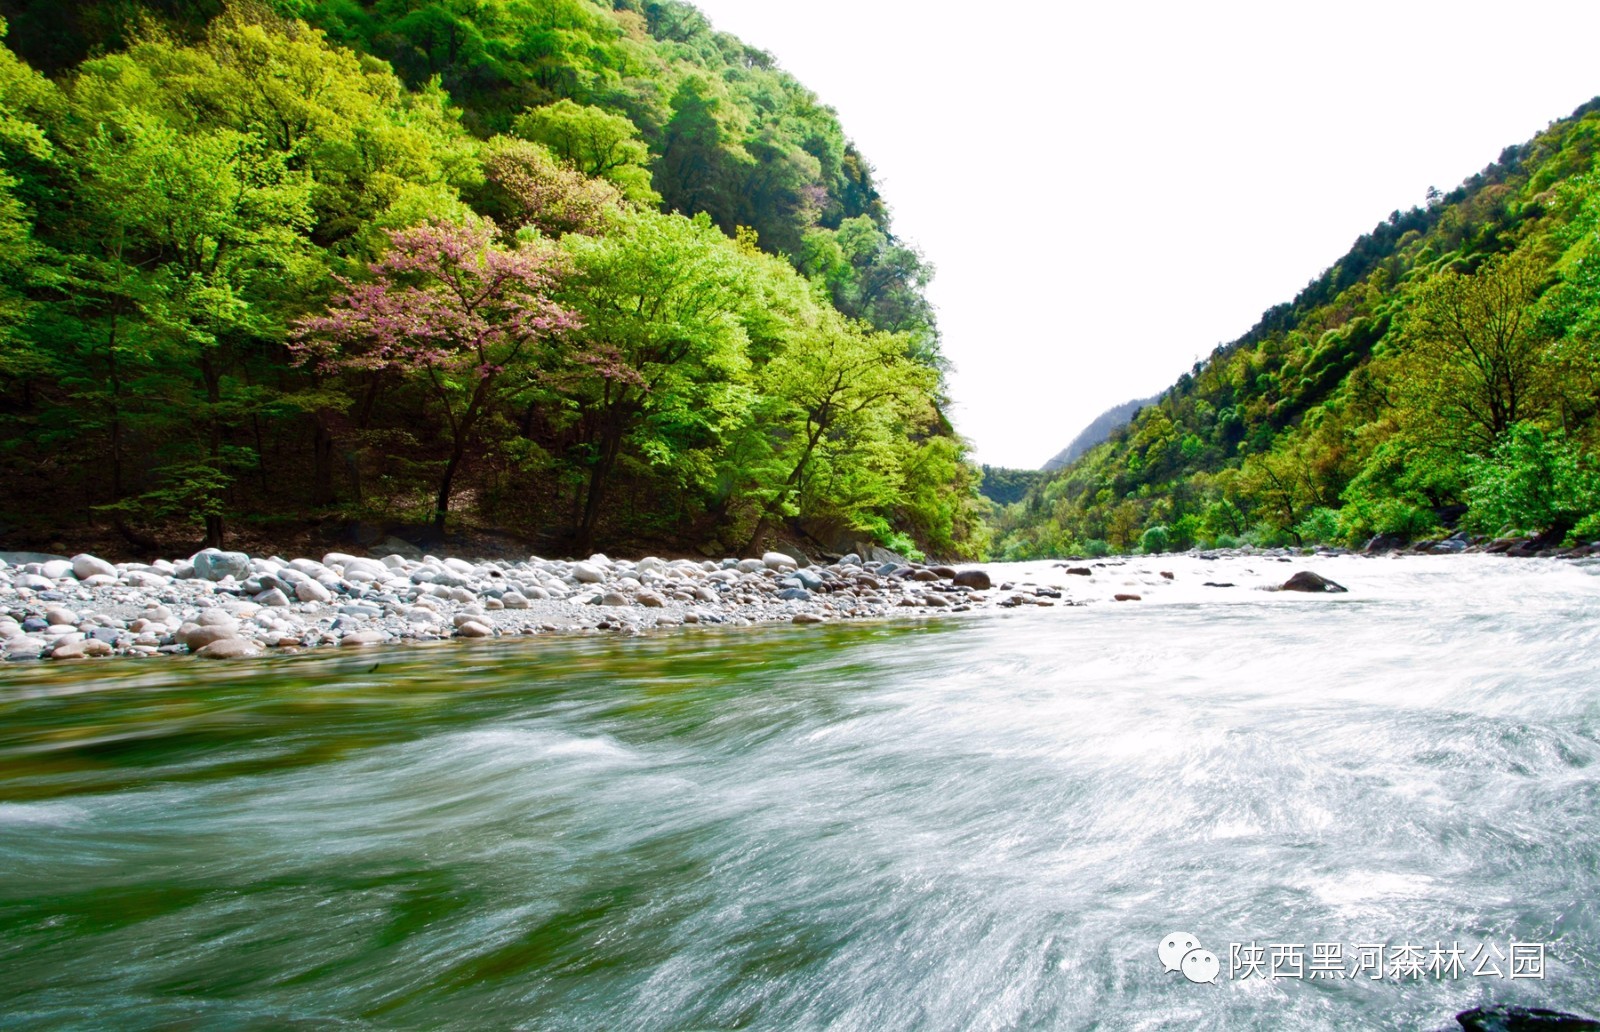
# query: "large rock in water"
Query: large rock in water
976,579
1502,1018
1305,580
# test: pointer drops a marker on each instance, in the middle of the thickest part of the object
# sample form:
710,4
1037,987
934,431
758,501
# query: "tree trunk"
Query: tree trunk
213,381
321,465
441,503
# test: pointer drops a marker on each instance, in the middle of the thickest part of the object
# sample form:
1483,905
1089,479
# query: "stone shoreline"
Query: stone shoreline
230,605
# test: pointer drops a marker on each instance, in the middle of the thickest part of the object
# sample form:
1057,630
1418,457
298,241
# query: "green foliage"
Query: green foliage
1320,526
1004,486
1382,395
1155,539
220,173
1531,482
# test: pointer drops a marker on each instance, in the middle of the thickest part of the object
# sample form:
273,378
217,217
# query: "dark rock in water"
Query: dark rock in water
1218,584
973,579
1384,543
1080,571
1305,580
947,572
1168,574
1124,597
1501,1018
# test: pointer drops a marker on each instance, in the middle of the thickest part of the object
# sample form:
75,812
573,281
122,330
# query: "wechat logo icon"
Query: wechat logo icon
1181,951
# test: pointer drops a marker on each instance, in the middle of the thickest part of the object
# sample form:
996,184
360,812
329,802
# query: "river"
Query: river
978,822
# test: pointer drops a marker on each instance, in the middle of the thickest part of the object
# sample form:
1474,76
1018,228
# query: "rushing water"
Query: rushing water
973,823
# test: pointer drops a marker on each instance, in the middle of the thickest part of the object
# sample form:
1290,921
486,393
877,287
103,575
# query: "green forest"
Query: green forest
593,275
1442,377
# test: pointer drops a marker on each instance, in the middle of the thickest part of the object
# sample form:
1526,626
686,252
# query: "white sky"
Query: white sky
1108,191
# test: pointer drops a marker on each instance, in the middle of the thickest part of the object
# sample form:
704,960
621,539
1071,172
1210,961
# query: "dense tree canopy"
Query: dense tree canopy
537,264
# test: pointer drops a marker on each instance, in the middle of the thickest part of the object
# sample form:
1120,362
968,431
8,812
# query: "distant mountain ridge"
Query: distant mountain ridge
1104,425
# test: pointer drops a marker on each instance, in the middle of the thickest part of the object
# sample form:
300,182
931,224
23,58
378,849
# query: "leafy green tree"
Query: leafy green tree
1480,357
598,143
662,368
826,387
1533,481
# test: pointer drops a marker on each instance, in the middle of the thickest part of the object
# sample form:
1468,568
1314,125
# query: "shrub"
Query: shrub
1531,482
1321,526
1406,518
1155,539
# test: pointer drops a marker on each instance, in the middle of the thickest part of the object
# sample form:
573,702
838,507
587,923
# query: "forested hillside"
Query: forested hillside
1445,372
595,274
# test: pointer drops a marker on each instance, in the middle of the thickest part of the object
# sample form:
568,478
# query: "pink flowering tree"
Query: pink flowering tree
453,308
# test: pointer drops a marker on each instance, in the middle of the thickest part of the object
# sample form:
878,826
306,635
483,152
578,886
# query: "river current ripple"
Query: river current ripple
982,822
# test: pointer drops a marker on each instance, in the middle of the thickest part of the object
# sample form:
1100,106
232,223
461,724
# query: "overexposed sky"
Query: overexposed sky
1110,190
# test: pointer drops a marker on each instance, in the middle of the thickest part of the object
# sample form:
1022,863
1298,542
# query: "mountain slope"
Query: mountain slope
1100,428
1440,370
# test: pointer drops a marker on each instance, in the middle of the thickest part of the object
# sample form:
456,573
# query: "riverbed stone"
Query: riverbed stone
475,629
197,637
588,573
229,648
312,591
973,579
213,564
85,566
371,636
274,598
83,649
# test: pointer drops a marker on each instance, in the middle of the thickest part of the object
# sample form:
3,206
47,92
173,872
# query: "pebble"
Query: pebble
229,648
227,604
311,591
82,649
85,566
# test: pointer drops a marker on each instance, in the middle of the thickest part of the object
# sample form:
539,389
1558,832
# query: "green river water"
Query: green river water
975,823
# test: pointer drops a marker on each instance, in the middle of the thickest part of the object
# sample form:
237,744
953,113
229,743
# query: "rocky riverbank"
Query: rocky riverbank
230,605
